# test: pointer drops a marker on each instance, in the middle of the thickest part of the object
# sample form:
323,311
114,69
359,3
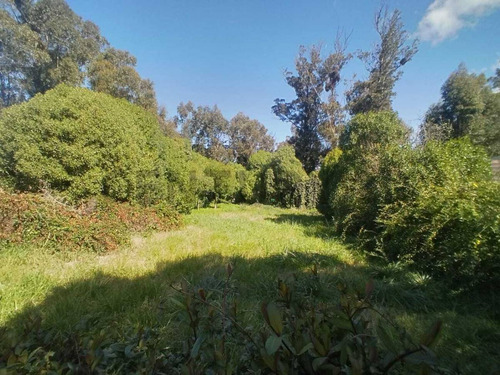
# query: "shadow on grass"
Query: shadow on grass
146,300
314,224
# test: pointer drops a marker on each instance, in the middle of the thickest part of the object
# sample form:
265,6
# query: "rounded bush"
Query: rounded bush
83,143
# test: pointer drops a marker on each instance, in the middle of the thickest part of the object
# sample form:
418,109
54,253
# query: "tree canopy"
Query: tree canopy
384,63
313,118
468,107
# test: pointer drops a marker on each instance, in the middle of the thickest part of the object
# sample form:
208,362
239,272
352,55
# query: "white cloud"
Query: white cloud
444,18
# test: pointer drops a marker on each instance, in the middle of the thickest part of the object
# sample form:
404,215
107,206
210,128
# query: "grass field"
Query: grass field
131,286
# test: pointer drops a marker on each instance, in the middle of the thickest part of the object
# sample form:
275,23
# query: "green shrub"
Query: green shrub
451,224
83,143
306,193
277,176
434,207
353,186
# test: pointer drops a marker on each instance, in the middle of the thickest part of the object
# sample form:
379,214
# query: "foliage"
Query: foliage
247,136
327,178
277,176
306,193
434,207
468,106
393,51
302,335
113,72
312,117
83,143
99,224
84,350
449,226
206,128
56,47
217,138
224,177
353,187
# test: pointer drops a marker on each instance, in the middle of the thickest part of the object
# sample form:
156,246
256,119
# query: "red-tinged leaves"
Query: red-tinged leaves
201,293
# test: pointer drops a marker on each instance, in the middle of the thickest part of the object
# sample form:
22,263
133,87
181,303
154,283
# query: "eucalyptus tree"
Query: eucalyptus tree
247,136
206,128
313,117
384,63
469,106
43,43
113,72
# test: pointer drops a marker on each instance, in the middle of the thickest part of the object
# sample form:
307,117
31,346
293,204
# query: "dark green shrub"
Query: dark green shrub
83,143
277,176
306,193
435,206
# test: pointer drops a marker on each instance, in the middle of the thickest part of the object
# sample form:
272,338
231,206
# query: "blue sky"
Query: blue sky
233,52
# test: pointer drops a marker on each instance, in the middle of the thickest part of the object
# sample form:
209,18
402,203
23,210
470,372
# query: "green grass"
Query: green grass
132,286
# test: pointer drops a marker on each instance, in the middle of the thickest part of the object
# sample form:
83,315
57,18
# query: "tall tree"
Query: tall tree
247,136
384,63
206,128
55,46
113,72
468,106
309,113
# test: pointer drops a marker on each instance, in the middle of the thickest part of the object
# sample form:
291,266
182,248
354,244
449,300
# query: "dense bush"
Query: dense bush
98,224
435,206
353,184
306,193
451,224
281,180
83,143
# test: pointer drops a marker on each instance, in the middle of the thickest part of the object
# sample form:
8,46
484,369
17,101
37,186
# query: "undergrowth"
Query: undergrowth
99,224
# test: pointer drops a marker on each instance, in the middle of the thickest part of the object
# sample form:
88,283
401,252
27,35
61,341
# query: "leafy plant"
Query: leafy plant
300,336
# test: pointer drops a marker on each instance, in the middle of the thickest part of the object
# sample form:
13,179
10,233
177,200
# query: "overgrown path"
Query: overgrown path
131,286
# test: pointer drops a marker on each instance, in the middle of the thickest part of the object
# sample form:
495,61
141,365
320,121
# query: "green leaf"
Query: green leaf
272,344
317,362
273,317
128,351
178,303
387,340
196,347
305,348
